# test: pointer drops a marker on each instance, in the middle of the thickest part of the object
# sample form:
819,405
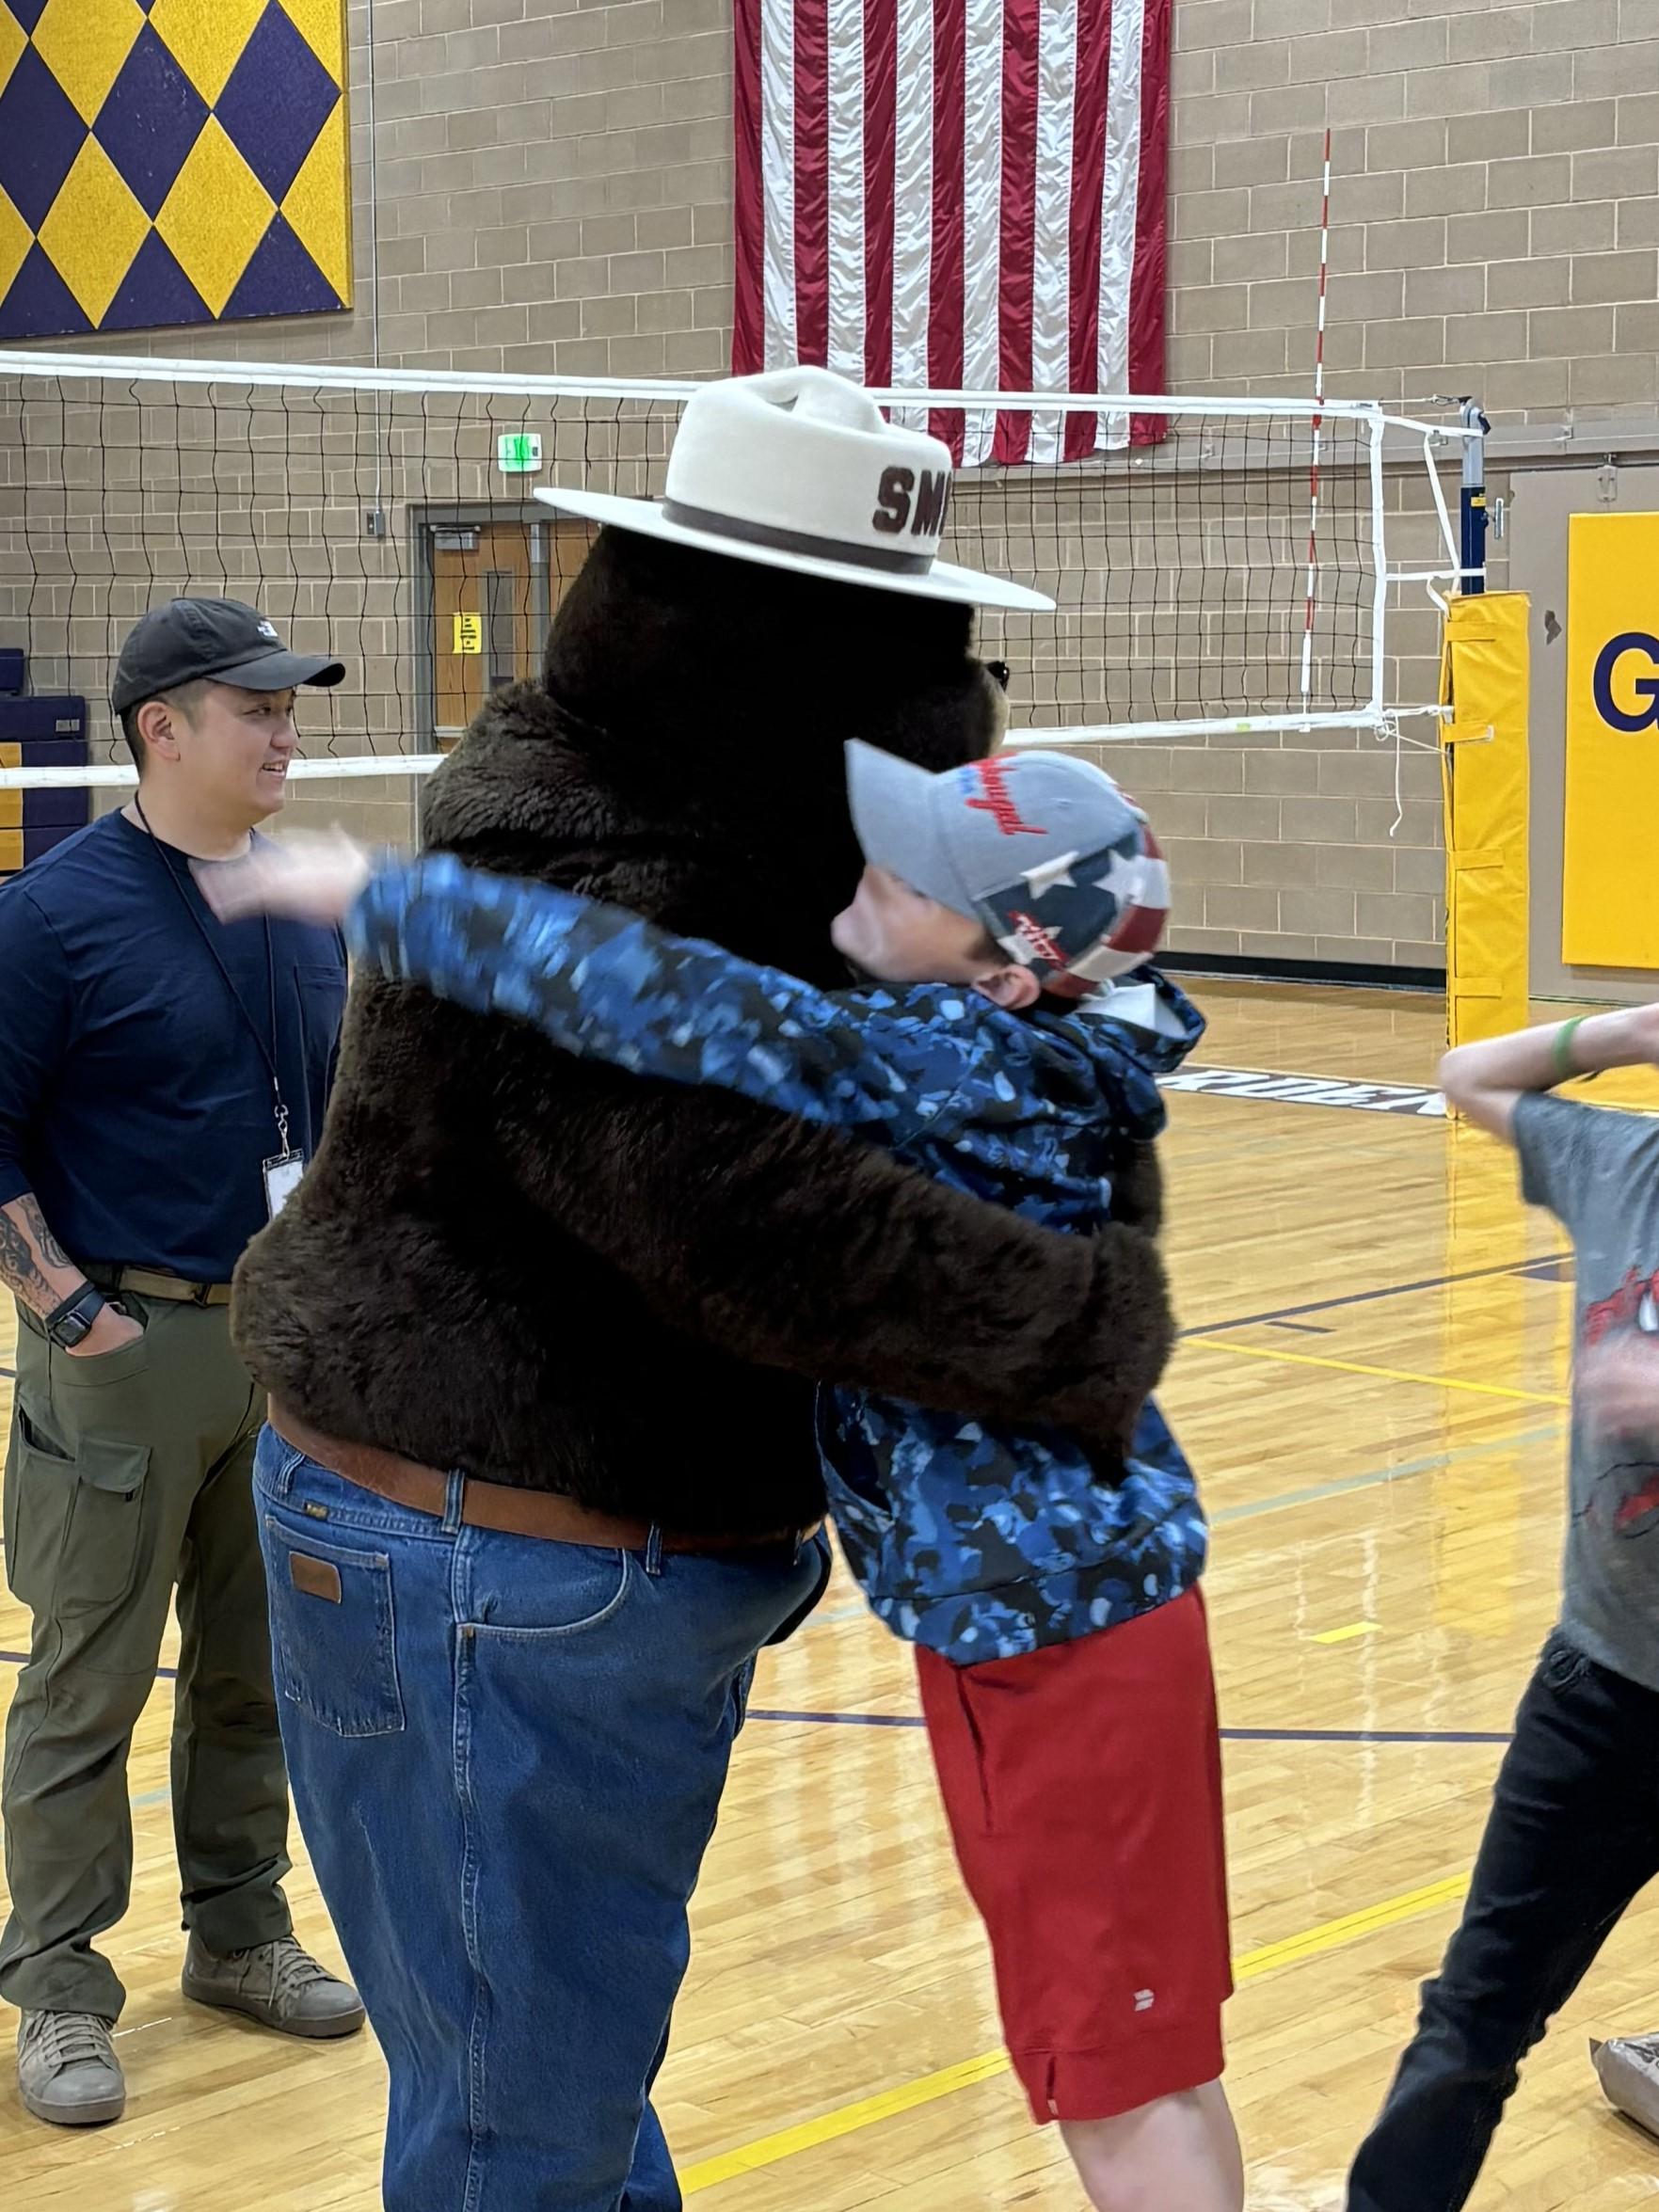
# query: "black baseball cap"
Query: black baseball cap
189,639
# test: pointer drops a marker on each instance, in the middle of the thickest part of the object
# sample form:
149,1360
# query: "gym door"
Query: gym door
494,588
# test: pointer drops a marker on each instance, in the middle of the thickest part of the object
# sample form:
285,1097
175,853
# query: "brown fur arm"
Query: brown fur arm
803,1249
1138,1190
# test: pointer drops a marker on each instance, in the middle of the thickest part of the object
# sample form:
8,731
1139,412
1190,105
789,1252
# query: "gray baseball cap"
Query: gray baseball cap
189,639
1042,847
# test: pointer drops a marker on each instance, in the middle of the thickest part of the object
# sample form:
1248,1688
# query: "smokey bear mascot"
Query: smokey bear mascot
541,1339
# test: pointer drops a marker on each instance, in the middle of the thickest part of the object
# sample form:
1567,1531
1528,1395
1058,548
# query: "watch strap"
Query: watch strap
83,1305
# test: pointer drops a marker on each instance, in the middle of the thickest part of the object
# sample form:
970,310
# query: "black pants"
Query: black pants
1572,1835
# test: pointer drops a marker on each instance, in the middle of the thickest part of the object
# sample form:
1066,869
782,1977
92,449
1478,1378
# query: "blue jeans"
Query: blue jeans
507,1756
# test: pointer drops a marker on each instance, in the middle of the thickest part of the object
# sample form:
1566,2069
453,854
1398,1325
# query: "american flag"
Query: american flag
958,195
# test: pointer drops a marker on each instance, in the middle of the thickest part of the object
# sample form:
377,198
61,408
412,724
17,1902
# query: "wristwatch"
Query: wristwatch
70,1323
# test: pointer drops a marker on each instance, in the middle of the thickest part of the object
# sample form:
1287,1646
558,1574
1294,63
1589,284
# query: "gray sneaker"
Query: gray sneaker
67,2070
277,1984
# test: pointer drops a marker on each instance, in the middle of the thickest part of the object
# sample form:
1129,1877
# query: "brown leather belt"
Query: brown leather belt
155,1282
500,1506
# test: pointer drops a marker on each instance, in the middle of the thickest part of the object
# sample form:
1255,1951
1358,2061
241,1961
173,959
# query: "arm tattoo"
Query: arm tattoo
20,1271
35,1222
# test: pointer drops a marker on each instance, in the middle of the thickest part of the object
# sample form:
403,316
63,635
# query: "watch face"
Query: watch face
70,1328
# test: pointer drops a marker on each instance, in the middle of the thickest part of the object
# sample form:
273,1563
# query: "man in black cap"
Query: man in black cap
162,1084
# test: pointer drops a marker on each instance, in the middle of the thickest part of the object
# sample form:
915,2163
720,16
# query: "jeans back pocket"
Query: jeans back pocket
334,1633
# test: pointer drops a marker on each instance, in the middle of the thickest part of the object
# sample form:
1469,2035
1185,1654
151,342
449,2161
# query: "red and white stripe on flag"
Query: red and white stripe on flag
960,195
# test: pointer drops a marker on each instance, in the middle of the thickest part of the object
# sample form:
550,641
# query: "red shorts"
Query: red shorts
1083,1787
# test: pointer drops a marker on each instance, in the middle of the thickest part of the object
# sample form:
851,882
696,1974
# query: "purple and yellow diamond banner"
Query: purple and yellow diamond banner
167,162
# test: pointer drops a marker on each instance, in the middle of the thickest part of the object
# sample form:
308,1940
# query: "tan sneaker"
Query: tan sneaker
67,2070
277,1984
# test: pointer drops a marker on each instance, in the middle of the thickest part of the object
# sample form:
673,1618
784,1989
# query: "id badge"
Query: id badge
283,1176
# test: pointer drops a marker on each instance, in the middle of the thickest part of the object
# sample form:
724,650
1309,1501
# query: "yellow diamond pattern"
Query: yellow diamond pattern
317,205
84,42
15,240
94,231
216,213
13,38
322,25
205,36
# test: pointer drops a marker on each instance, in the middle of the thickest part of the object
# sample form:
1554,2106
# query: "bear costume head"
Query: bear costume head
706,704
551,1274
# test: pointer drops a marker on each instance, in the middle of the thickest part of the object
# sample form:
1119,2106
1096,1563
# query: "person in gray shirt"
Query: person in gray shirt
1573,1832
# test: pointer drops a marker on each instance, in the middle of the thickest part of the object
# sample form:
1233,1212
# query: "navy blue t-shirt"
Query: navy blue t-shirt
134,1099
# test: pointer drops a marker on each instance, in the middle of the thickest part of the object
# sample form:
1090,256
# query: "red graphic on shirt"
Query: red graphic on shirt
999,801
1633,1307
1623,1309
1635,1514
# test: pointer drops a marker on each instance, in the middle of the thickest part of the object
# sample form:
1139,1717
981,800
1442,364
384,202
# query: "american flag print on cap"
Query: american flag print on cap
1061,865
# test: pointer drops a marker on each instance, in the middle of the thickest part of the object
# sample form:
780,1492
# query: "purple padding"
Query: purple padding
41,752
56,810
52,731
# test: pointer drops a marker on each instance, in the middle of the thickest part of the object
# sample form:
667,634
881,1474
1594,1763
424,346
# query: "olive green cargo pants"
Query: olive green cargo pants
129,1473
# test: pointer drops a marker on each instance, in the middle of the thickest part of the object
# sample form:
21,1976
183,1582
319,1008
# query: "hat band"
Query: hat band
796,541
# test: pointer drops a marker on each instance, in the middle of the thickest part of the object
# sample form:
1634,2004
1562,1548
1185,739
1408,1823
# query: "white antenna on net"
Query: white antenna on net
1307,640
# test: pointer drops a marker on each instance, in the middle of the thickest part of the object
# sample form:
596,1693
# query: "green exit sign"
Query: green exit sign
518,453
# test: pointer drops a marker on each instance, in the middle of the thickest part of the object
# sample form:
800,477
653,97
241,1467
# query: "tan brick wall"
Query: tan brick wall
554,190
1494,202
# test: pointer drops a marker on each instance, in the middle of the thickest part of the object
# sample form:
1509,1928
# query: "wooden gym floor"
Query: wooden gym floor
1372,1388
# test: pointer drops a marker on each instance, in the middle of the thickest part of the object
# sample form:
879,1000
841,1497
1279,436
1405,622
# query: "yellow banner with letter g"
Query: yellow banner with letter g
1609,892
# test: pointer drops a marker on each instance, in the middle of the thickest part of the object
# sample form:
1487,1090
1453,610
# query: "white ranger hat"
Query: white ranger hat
798,469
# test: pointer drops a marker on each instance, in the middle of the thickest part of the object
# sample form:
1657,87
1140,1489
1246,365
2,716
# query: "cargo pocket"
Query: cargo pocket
39,1491
74,1526
336,1644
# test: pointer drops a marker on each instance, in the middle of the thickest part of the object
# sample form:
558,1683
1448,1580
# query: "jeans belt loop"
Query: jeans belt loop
654,1551
455,1501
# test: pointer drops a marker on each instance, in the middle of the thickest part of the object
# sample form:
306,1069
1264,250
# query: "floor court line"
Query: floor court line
1312,1943
1444,1382
913,1720
1285,1500
1344,1486
1367,1297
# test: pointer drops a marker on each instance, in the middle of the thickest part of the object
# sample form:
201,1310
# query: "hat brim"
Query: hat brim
943,581
280,672
893,805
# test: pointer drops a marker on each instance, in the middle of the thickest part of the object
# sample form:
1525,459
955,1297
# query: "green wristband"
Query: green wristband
1561,1050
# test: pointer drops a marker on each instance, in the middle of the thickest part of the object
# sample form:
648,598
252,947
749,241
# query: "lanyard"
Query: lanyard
266,1051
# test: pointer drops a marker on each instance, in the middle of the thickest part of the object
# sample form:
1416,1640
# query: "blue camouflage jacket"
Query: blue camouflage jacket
978,1542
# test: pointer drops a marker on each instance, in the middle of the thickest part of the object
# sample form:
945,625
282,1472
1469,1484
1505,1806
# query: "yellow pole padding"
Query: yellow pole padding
1485,671
1609,916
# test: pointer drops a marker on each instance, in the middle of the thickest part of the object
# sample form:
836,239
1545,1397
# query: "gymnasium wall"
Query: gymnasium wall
551,190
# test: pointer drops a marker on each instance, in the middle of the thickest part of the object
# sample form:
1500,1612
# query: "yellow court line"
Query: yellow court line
928,2088
1442,1382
